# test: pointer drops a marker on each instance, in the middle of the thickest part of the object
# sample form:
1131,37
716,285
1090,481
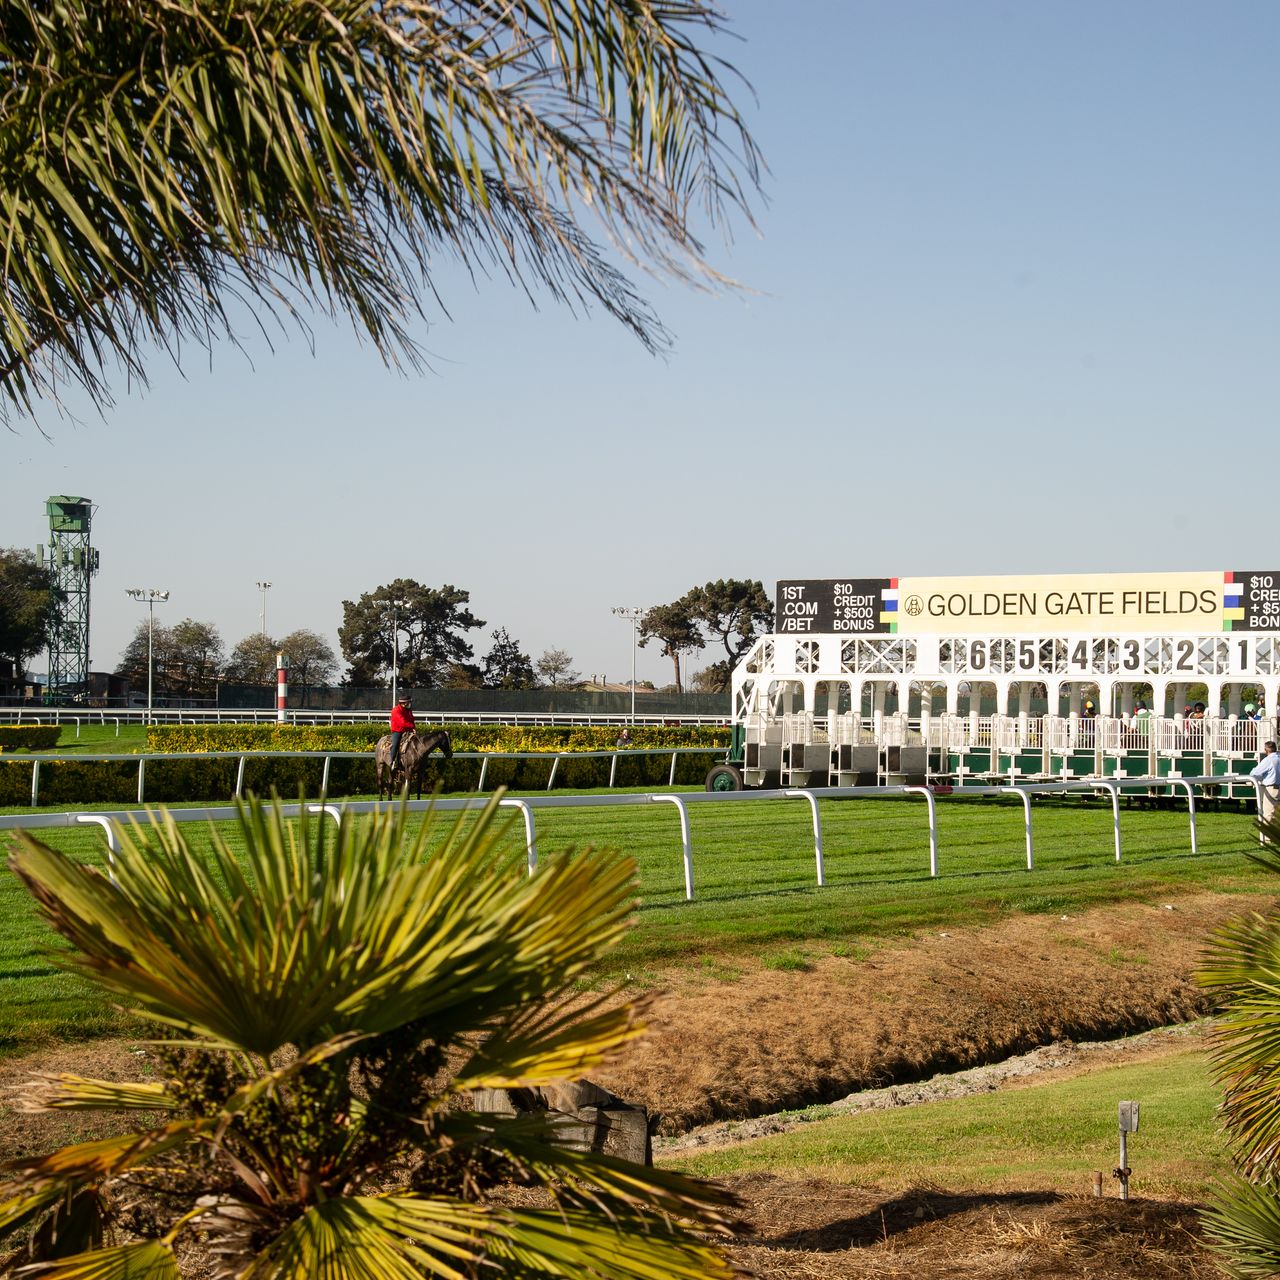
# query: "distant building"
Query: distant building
106,689
13,690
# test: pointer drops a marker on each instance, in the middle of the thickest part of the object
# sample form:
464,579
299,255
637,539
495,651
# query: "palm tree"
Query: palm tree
329,1001
1242,969
163,159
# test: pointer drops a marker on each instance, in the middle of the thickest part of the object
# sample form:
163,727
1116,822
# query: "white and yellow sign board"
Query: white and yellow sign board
1098,603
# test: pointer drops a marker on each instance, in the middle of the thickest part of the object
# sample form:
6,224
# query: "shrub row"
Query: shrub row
465,737
86,781
29,737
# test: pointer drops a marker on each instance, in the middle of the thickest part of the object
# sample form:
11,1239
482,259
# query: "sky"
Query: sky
1012,305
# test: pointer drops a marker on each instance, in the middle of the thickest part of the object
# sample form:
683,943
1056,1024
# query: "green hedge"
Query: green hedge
74,782
348,777
29,737
85,781
465,737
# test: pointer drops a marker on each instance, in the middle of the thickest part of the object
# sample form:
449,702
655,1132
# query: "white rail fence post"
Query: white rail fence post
931,801
1026,812
817,830
530,834
685,840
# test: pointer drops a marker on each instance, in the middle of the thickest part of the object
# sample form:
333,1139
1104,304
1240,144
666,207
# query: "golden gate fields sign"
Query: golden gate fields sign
1097,604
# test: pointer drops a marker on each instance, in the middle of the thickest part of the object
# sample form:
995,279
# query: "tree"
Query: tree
186,659
716,678
253,661
310,660
505,666
462,675
195,658
675,627
555,667
305,1110
29,603
424,624
133,664
162,160
735,610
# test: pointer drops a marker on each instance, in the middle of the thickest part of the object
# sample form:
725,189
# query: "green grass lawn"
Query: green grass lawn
755,884
1046,1136
98,739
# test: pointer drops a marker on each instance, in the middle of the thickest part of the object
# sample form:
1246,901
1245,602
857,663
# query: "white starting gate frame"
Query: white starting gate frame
1054,663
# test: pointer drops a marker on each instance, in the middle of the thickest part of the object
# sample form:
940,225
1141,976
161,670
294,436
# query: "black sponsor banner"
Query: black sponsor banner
1259,591
845,606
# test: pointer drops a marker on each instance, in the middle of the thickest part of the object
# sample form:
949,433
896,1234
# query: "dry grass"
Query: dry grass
804,1230
767,1039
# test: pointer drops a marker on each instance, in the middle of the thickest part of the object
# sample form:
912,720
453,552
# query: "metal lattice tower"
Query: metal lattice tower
73,562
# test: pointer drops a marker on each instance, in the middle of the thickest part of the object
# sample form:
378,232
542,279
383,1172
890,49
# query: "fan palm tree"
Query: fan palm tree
328,1002
160,158
1242,969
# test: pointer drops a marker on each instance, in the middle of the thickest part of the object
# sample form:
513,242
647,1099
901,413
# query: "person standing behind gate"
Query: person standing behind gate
402,722
1268,773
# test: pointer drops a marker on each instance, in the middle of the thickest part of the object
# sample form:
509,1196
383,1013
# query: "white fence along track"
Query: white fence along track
111,821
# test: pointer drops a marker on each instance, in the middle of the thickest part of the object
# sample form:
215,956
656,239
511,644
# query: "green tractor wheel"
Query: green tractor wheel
724,777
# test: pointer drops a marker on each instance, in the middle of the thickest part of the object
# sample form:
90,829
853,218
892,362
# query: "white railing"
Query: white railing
111,823
302,715
325,759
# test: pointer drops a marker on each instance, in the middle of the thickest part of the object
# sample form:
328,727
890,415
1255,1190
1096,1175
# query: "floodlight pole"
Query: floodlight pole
264,587
633,613
149,598
396,606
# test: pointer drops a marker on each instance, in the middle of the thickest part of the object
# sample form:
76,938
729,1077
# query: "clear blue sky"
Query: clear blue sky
1016,309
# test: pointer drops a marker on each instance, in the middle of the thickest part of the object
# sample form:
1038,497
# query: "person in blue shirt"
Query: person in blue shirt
1268,773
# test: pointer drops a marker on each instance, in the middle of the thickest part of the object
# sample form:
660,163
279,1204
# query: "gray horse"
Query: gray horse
414,750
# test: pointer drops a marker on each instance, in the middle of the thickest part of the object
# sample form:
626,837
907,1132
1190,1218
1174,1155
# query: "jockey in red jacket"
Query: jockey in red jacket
401,723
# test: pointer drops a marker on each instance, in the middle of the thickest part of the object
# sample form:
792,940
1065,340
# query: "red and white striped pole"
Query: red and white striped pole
282,689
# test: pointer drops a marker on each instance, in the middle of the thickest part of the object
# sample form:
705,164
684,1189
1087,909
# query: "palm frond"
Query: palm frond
161,160
144,1260
295,941
532,1144
542,1043
87,1162
68,1092
321,979
22,1202
363,1238
1243,1221
1241,966
575,1244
